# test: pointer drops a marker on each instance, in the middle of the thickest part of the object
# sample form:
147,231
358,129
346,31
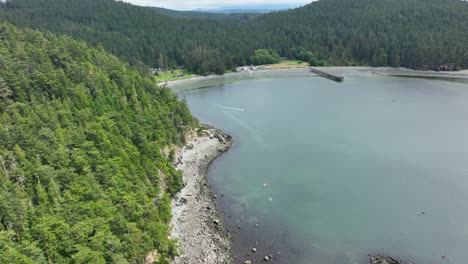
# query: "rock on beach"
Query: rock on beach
196,223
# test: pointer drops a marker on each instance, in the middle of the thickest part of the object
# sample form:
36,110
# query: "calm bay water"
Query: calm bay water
371,165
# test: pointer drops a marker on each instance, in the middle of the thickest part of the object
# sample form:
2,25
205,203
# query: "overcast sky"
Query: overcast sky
211,4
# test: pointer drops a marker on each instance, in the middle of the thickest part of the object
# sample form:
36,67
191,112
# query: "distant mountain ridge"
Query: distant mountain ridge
235,11
261,9
238,16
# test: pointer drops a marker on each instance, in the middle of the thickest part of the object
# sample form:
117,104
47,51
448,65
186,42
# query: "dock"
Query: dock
327,75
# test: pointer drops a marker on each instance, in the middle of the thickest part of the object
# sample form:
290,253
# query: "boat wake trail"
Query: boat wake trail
231,108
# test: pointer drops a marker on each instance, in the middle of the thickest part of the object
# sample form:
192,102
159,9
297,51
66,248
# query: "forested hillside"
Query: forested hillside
411,33
81,167
133,33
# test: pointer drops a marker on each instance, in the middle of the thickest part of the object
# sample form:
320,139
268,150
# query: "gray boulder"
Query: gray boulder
382,260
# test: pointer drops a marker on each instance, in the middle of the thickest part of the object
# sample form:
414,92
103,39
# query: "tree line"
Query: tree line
409,33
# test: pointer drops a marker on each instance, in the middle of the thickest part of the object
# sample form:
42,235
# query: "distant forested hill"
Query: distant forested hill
134,33
81,168
234,16
411,33
131,32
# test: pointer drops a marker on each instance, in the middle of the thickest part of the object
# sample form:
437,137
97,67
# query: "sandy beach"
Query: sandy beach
338,70
196,222
397,72
231,74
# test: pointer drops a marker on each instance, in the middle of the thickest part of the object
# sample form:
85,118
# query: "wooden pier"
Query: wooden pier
332,77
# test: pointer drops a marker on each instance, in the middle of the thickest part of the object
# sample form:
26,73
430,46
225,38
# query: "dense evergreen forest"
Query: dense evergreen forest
82,175
131,32
410,33
82,172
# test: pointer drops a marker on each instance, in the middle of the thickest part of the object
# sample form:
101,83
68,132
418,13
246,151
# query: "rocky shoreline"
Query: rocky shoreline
196,223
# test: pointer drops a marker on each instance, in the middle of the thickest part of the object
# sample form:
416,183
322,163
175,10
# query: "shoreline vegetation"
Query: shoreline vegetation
196,223
182,74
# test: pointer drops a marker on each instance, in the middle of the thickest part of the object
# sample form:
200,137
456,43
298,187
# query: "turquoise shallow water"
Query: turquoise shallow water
371,165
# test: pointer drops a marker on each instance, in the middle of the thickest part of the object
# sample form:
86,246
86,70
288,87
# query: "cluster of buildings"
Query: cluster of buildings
246,68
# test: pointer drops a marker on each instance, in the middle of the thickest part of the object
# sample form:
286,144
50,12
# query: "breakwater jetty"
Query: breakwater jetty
327,75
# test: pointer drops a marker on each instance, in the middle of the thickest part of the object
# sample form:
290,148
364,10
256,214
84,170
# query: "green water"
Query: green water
351,167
